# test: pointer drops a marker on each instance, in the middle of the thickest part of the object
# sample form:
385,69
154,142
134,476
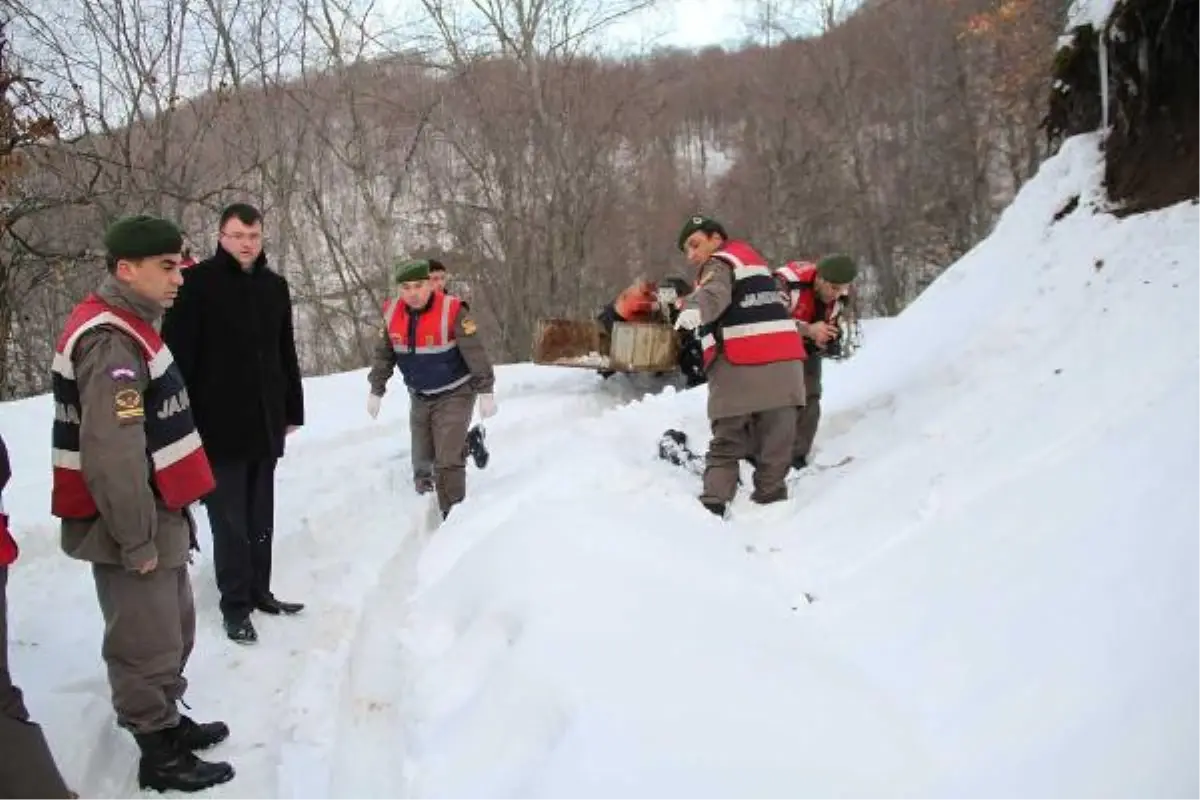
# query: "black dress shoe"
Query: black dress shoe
241,631
272,605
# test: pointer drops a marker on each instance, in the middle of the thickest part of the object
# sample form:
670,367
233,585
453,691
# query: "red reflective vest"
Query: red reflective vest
181,473
425,346
8,545
798,280
756,327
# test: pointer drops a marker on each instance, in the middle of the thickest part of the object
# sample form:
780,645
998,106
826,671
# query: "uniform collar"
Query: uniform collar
118,295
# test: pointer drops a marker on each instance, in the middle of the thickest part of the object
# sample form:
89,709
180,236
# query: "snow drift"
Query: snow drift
997,595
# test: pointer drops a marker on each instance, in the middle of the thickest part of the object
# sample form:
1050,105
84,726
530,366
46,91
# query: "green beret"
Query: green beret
838,268
142,236
700,223
406,271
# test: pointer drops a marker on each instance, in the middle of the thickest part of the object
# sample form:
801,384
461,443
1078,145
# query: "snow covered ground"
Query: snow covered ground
996,596
1089,12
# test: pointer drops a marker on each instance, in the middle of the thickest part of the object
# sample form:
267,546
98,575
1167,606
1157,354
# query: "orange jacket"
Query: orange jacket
636,304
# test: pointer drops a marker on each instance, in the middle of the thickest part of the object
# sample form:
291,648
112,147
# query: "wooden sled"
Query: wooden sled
635,347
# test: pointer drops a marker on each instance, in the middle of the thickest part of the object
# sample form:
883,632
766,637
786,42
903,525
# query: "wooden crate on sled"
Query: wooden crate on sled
644,347
635,347
562,342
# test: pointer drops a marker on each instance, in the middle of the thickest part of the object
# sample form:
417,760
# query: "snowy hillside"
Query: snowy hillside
996,596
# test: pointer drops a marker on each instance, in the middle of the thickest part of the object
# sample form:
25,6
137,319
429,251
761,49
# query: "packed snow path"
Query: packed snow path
323,688
996,596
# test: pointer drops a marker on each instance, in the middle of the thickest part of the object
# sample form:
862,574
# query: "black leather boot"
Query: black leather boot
166,766
192,735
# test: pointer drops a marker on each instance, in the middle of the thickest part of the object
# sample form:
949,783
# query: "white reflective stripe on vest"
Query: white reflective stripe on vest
790,274
66,459
447,302
793,278
431,349
62,361
730,258
454,384
793,293
161,362
758,329
741,273
176,451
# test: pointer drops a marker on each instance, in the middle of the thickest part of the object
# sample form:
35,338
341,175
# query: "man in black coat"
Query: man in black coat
231,333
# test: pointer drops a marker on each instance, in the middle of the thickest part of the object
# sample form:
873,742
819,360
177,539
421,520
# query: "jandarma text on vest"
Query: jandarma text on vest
174,405
754,299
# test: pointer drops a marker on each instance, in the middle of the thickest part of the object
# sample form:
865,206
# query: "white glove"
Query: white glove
487,406
373,402
688,318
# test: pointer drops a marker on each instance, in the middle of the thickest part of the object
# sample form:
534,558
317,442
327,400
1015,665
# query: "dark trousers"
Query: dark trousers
27,767
808,416
241,512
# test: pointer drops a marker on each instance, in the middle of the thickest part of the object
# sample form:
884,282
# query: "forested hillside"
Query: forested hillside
547,169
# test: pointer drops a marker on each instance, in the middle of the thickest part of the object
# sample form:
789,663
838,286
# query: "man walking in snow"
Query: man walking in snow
753,356
127,464
814,295
435,343
422,455
231,331
27,768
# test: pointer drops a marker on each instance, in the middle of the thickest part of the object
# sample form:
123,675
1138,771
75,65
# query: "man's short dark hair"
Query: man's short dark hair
246,214
436,266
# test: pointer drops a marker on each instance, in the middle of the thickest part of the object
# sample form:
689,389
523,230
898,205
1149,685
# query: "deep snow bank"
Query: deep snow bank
313,706
1005,576
996,596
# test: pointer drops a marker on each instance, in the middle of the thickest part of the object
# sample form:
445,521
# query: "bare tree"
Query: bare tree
29,259
531,139
495,133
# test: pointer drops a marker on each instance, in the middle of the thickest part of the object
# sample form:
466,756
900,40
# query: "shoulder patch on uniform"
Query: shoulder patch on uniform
128,405
123,374
468,326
